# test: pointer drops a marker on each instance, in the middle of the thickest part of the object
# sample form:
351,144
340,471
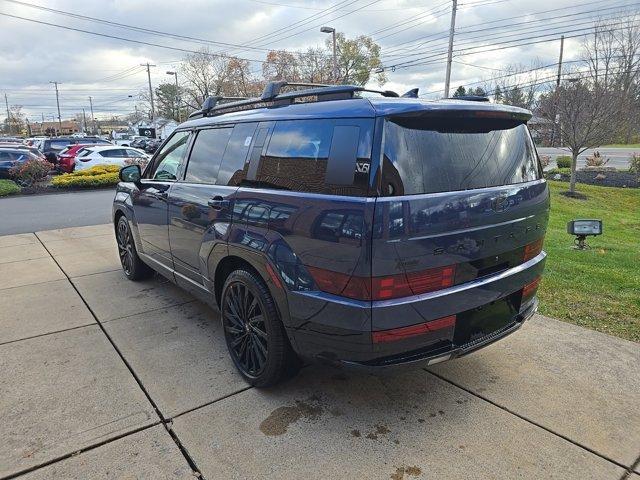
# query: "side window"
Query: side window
206,155
166,163
233,168
320,156
133,153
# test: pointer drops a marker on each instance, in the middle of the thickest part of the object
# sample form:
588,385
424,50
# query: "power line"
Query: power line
463,30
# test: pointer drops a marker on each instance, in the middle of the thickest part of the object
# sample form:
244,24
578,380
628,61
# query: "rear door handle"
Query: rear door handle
218,203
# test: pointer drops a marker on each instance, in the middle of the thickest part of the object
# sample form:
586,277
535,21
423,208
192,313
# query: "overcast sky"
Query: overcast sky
33,54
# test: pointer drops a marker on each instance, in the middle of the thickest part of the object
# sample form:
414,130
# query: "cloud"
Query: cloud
32,55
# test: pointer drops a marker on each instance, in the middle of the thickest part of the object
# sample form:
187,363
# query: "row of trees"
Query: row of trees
205,73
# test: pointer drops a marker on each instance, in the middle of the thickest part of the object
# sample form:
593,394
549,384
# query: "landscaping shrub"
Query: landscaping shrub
544,160
8,187
98,176
561,171
596,160
31,172
564,161
634,164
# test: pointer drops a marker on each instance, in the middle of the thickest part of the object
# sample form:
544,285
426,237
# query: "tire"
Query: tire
254,334
133,268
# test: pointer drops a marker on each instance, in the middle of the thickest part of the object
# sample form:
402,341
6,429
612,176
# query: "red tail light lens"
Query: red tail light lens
336,283
385,287
401,333
413,283
533,249
530,289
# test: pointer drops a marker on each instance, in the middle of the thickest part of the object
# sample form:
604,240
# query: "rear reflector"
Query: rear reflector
530,289
401,333
533,249
385,287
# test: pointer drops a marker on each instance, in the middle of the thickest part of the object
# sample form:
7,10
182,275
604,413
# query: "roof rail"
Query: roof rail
470,98
271,95
209,104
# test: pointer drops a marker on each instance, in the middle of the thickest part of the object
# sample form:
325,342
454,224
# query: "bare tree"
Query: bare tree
588,116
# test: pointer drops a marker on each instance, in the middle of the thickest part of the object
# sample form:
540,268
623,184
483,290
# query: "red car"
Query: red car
67,157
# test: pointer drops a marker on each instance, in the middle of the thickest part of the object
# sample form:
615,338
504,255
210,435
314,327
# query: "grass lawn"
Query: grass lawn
597,288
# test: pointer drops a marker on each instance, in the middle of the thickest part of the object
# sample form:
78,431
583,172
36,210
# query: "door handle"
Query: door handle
218,203
162,195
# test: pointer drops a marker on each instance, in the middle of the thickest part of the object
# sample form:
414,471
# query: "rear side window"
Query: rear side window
233,169
206,155
442,155
320,156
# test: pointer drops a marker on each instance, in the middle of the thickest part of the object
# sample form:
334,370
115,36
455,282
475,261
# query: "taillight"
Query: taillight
350,286
533,249
401,333
413,283
530,288
384,287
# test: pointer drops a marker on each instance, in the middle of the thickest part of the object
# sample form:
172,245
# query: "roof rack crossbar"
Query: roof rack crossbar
271,95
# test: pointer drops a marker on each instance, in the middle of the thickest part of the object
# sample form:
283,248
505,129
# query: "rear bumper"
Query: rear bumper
338,329
432,357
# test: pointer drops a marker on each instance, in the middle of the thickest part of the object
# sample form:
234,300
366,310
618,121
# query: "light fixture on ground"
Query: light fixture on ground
582,229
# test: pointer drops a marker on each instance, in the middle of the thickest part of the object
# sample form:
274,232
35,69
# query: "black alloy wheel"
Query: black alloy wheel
132,266
255,337
244,324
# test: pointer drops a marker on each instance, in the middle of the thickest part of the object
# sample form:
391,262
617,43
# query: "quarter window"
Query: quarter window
321,156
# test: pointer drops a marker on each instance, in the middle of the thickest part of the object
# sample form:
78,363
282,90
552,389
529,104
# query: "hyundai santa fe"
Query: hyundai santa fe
337,224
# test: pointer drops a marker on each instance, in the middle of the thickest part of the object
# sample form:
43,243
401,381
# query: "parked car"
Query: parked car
140,142
11,157
20,146
51,147
107,155
365,232
67,156
152,145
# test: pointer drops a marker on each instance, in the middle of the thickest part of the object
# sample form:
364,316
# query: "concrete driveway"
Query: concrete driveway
104,378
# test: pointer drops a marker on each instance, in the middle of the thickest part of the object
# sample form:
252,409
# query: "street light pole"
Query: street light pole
332,31
58,103
178,116
93,118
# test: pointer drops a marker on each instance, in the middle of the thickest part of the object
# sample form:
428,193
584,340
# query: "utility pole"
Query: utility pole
175,75
555,109
6,102
84,117
93,119
58,103
153,110
447,80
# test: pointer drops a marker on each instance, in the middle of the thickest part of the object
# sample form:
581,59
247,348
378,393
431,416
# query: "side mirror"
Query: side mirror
130,173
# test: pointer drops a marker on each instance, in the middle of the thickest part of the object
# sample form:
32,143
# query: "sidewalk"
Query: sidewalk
101,376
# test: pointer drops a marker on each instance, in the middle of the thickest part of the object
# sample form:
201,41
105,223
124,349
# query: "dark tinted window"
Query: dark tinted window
439,155
233,168
206,155
322,156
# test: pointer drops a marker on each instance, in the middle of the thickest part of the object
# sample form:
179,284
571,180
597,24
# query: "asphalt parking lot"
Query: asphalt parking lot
104,378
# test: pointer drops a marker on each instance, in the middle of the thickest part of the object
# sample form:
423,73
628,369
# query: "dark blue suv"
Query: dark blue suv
330,223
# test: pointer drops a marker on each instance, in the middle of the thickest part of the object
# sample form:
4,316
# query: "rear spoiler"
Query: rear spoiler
515,114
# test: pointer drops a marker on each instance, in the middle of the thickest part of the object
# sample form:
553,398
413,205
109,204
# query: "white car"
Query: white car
108,155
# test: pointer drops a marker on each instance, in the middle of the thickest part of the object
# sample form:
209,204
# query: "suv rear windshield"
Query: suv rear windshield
428,155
